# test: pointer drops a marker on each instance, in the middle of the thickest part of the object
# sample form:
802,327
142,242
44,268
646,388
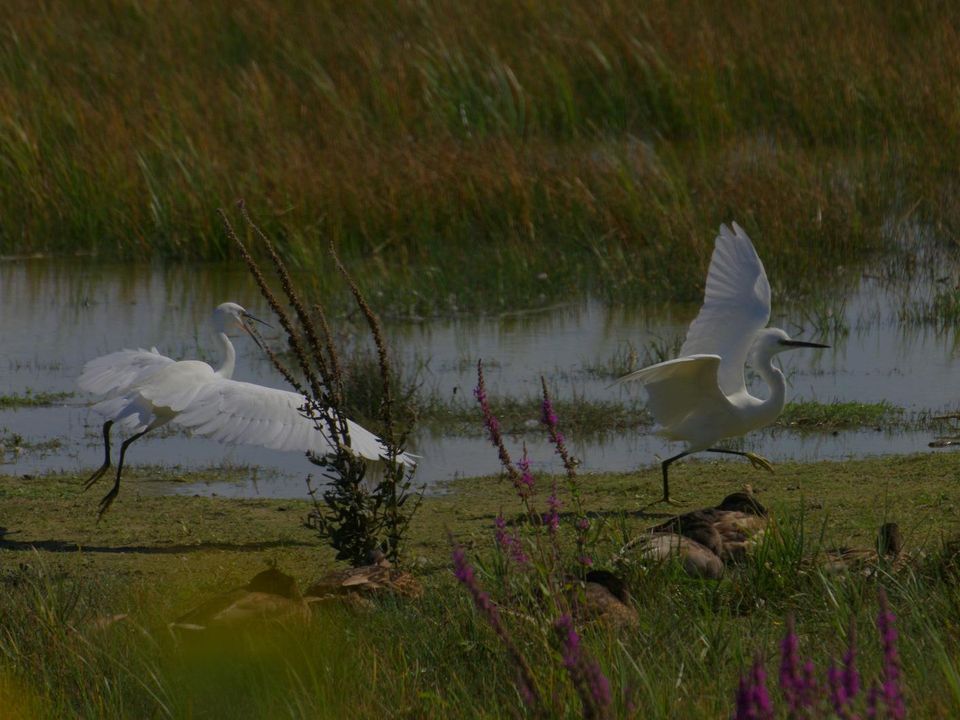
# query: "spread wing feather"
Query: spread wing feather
679,387
239,412
736,305
141,385
117,372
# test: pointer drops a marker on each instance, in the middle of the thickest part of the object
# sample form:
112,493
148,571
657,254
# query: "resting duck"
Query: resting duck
888,552
357,585
706,540
271,596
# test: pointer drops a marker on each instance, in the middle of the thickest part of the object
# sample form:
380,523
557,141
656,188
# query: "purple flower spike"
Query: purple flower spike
891,693
549,418
591,684
492,424
488,610
744,701
838,693
762,704
851,678
552,517
525,482
790,682
873,702
510,543
809,692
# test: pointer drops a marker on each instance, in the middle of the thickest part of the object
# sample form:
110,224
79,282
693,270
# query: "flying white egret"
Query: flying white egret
701,397
146,390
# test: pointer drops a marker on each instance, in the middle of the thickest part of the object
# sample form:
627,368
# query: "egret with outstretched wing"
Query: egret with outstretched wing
145,390
701,397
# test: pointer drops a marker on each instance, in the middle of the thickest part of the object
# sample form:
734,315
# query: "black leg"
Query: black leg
111,496
666,482
106,456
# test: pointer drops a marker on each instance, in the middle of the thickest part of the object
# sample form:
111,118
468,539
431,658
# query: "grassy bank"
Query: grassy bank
154,557
476,154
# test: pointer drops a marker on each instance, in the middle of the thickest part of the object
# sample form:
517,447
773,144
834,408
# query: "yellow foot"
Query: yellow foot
759,462
665,501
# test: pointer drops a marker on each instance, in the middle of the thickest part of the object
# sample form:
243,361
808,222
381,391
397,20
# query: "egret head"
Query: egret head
771,341
230,317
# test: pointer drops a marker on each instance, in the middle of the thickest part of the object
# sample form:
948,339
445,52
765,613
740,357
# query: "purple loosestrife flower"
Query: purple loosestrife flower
891,693
552,517
743,709
851,678
840,699
759,695
591,684
488,610
510,543
809,691
493,425
464,573
790,682
798,684
549,418
873,702
844,683
526,481
522,481
752,699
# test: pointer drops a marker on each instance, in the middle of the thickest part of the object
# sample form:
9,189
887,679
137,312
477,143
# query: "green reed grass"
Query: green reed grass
33,399
460,149
810,415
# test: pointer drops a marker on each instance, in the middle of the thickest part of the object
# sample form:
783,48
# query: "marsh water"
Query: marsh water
55,315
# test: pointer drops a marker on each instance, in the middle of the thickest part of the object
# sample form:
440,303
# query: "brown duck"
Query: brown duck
887,552
271,596
696,558
603,598
359,584
728,529
706,540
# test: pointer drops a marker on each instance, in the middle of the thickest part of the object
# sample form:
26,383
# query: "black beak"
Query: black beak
801,343
248,316
249,328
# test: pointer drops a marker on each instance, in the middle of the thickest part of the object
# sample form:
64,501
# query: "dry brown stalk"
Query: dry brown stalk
386,409
335,424
294,297
336,371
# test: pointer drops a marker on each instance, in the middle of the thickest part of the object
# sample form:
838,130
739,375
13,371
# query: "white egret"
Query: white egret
146,390
701,397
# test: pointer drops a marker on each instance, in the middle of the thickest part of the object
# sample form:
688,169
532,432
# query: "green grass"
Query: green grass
155,557
518,416
33,399
466,156
590,417
812,415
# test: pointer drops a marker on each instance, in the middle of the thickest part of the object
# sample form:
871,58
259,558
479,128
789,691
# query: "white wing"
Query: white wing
117,372
681,387
238,412
736,304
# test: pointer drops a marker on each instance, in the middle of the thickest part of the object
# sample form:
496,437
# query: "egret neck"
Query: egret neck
229,355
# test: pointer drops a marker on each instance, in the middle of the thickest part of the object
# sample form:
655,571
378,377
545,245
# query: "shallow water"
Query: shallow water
56,315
